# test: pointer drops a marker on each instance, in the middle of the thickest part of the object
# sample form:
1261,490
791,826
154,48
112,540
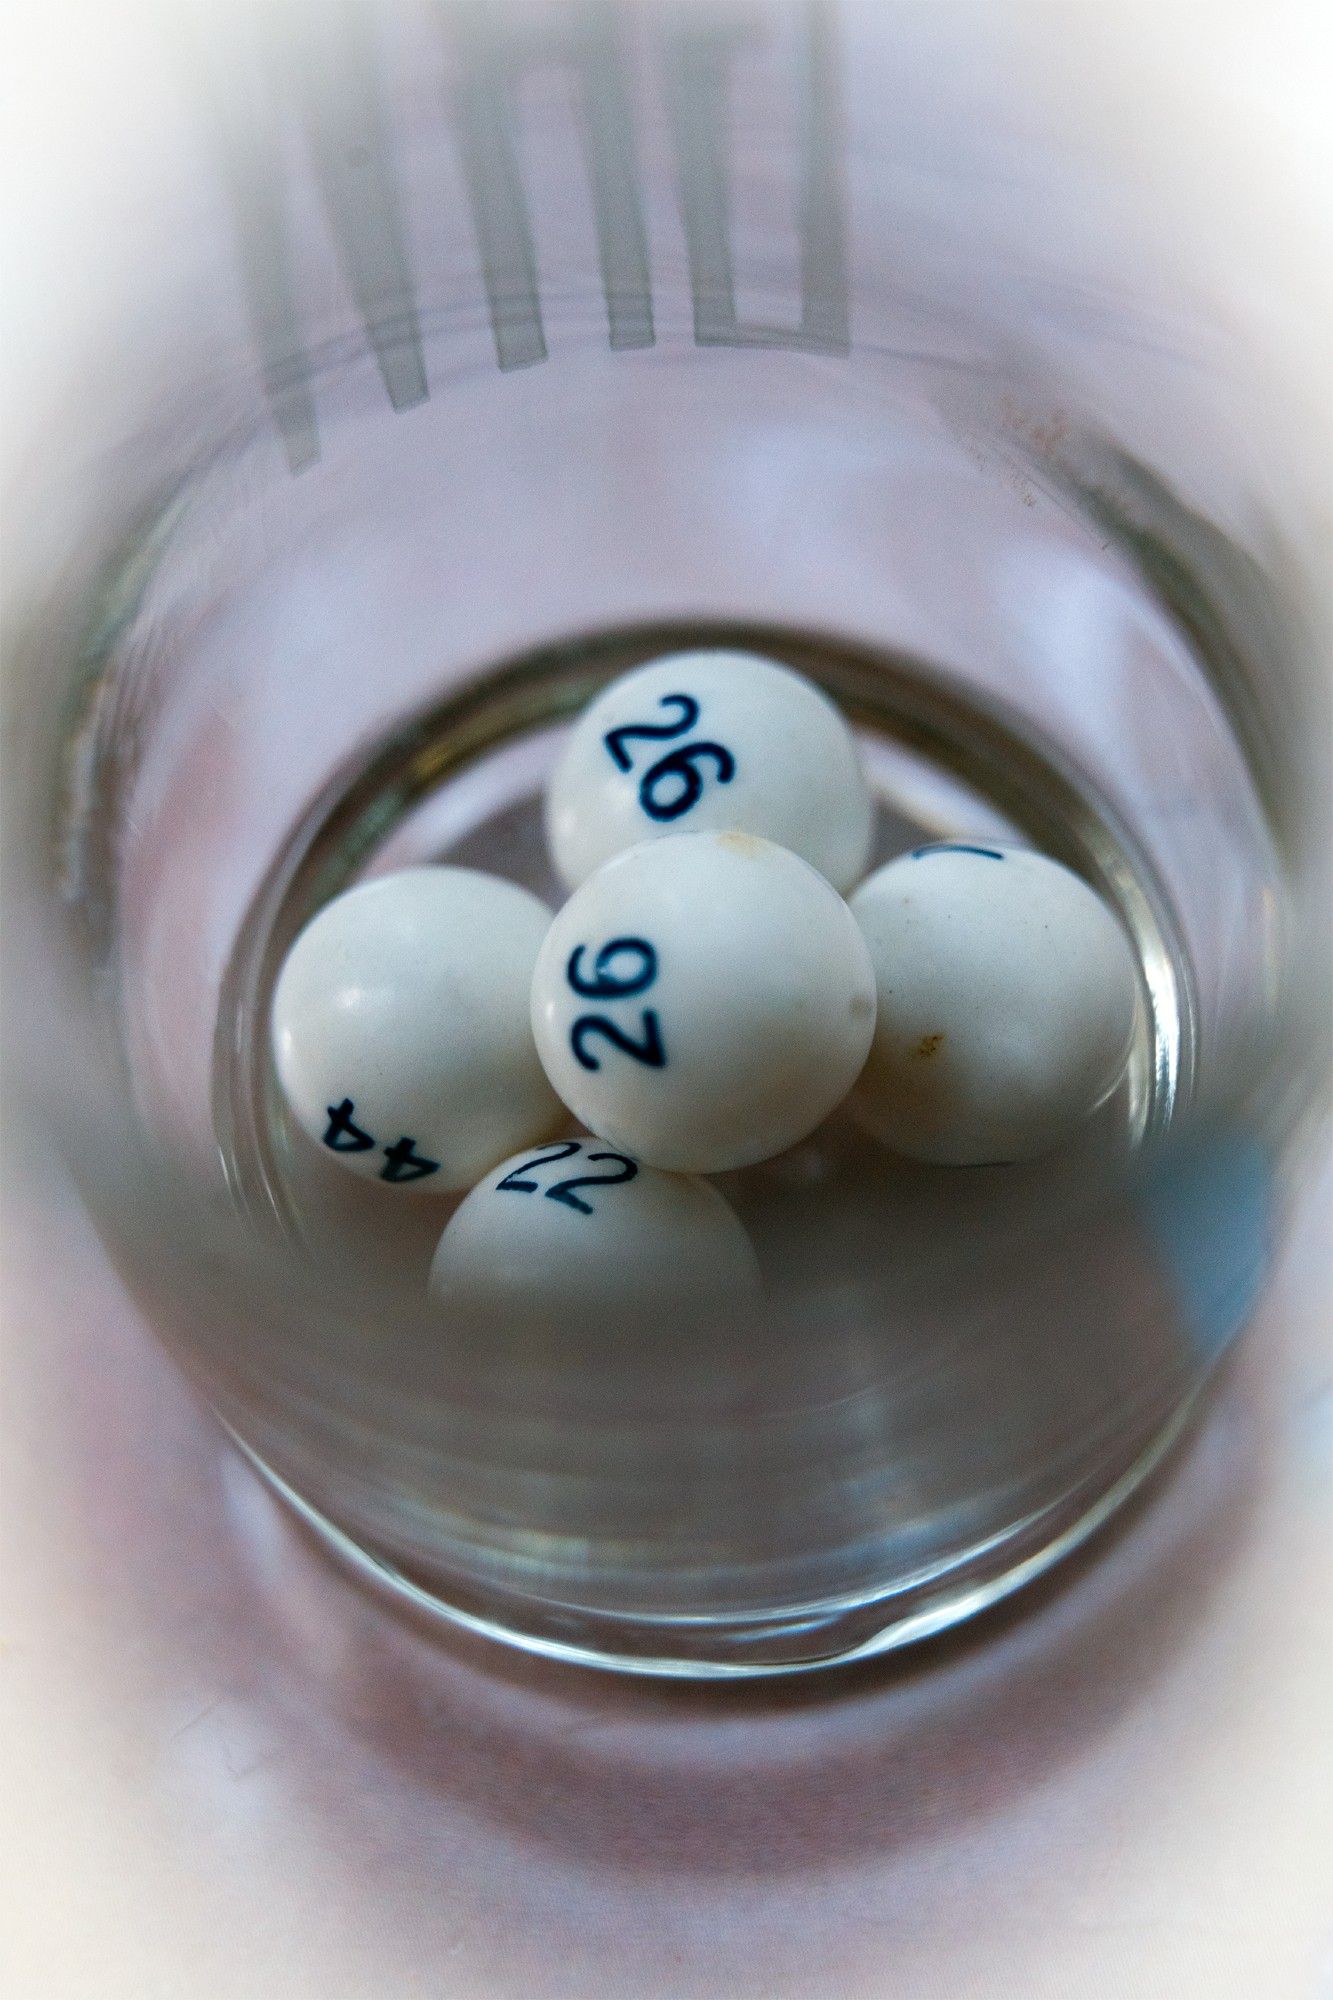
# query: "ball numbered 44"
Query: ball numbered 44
1007,1003
703,1002
400,1027
710,741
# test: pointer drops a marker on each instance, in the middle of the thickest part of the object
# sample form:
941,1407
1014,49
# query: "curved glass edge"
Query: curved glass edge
941,1614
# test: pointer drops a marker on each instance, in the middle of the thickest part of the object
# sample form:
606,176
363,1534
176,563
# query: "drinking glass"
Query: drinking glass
511,348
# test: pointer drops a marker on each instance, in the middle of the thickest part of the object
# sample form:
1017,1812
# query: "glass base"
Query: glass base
802,1639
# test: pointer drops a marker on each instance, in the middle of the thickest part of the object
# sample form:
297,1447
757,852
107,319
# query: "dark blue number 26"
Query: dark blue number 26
605,983
674,783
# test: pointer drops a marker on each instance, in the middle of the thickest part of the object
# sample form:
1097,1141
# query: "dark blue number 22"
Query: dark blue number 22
516,1182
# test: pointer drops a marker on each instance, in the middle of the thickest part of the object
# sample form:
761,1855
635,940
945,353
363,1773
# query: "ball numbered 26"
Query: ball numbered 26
710,741
703,1002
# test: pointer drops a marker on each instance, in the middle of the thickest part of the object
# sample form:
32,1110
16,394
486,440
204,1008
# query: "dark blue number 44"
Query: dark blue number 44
402,1162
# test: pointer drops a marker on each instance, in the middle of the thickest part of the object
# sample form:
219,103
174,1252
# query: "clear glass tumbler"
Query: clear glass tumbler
514,346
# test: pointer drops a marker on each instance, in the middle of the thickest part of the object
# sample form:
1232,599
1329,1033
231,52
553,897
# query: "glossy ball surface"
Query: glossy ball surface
400,1028
575,1233
710,742
1007,1002
703,1002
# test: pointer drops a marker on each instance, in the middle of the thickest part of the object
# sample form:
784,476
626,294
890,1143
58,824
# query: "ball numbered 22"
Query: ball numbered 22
576,1233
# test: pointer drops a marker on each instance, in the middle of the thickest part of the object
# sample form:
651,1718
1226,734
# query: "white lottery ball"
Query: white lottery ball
710,742
703,1002
400,1027
575,1232
1007,1002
